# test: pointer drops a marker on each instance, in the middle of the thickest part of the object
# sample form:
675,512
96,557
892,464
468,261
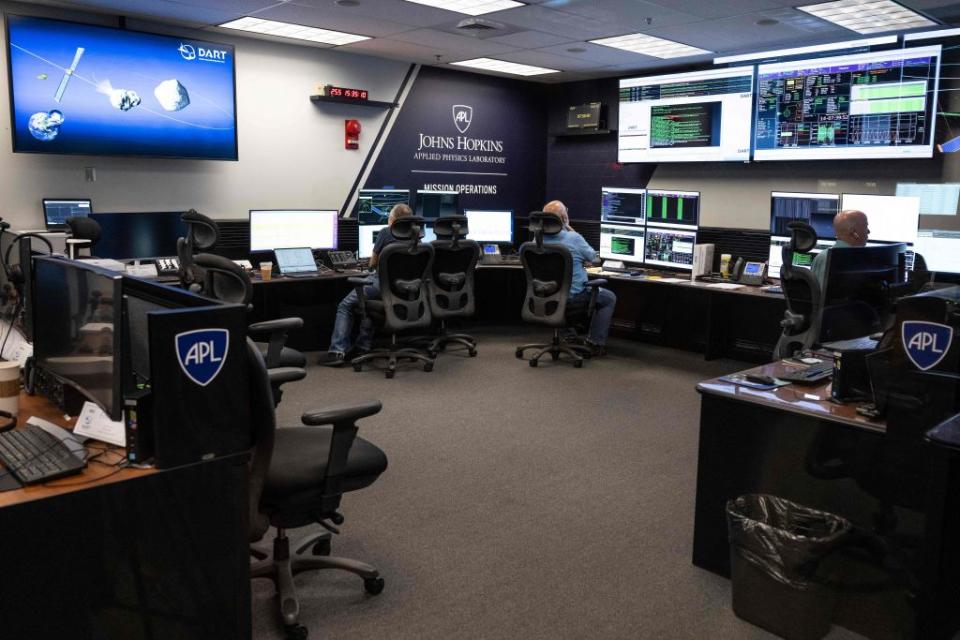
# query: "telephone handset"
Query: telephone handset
737,270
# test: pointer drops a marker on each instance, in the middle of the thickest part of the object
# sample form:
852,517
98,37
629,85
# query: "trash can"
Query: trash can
775,550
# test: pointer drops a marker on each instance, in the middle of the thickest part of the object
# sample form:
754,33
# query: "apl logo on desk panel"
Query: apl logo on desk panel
202,352
926,343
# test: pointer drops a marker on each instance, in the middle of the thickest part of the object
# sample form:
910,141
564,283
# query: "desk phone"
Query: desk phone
754,273
167,266
342,259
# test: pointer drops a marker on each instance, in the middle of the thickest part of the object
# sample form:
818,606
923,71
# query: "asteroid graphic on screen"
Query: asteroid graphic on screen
172,95
124,99
45,126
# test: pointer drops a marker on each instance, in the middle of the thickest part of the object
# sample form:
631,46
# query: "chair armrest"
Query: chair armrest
283,375
280,324
357,281
359,284
341,414
596,282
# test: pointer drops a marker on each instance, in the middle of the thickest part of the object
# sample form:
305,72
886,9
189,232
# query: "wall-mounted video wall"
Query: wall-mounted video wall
880,104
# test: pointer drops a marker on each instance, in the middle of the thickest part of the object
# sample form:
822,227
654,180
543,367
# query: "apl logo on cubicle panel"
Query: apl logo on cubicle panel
202,352
926,343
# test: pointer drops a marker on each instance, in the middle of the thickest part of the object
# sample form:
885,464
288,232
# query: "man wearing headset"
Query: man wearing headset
851,228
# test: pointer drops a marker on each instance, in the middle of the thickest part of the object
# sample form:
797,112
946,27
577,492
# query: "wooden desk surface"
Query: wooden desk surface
95,474
683,280
276,278
809,400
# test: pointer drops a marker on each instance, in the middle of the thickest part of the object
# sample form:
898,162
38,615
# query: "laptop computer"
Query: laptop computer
296,262
57,210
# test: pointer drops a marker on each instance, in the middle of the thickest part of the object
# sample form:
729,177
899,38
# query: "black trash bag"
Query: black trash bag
775,550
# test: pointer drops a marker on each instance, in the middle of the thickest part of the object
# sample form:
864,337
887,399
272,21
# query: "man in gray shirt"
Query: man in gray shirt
851,228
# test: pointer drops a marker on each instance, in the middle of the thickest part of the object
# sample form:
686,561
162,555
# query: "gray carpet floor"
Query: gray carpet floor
521,502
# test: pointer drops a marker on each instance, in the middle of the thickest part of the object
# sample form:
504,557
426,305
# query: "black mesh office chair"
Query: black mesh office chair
451,283
202,235
84,234
549,272
298,476
801,320
403,269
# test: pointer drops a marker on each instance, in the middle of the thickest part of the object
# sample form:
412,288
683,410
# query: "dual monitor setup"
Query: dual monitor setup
487,226
654,227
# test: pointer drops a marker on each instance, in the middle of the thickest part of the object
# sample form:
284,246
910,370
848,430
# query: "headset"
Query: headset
15,272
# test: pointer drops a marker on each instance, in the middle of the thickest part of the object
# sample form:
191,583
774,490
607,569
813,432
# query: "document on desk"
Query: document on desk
674,280
724,285
94,423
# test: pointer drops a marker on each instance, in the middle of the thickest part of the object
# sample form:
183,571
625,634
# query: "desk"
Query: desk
754,441
126,554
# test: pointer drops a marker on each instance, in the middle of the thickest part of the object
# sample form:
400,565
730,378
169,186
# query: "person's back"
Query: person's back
852,230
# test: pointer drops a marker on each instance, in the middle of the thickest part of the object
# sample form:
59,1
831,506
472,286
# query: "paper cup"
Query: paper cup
266,270
10,387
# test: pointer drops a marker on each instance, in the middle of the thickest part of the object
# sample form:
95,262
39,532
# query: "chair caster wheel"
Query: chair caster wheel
533,363
578,363
428,366
473,353
373,586
295,632
358,368
519,353
389,373
322,548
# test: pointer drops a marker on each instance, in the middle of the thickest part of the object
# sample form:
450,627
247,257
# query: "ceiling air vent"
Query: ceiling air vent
478,25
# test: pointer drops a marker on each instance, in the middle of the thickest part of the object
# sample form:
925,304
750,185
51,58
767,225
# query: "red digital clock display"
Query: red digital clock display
344,92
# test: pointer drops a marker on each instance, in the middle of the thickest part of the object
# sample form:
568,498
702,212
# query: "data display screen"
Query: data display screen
686,117
621,242
669,208
622,205
489,225
667,247
775,257
374,205
816,209
280,229
890,218
870,105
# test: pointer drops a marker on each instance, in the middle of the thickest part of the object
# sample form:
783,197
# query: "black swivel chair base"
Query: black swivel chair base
312,553
576,351
393,356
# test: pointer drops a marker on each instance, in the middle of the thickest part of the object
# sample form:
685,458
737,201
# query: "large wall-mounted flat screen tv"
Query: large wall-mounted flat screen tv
83,89
870,105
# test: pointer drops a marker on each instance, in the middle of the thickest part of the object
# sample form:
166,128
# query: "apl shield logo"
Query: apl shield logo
202,352
926,343
187,51
462,117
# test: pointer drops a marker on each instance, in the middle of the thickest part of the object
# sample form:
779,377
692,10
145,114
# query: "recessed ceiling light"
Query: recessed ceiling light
576,50
651,46
470,7
868,16
489,64
294,31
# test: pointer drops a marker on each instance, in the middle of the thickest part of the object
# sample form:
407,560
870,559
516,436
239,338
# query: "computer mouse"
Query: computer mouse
760,378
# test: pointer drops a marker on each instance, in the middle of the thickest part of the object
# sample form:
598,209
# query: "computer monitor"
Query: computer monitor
775,257
668,247
368,238
437,204
77,328
490,225
891,218
57,210
139,235
940,249
277,228
621,242
374,205
856,284
668,208
816,209
621,205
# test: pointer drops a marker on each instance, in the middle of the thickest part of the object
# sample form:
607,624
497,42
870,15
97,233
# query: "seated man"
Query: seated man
343,326
583,254
850,227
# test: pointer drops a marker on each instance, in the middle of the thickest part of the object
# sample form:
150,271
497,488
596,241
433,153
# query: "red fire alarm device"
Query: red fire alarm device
351,134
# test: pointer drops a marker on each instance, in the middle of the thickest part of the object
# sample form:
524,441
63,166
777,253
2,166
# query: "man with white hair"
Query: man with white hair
851,229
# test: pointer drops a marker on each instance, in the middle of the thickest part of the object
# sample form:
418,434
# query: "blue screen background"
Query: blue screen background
40,50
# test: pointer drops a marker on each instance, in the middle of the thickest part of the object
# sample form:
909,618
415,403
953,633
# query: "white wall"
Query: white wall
291,150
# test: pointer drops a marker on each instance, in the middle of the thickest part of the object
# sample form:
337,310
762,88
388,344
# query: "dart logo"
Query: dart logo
926,343
187,51
202,352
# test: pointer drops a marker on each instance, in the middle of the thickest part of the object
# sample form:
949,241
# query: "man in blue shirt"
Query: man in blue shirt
343,326
851,229
583,255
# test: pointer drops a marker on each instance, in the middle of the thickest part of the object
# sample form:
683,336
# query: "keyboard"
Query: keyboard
33,455
809,375
628,270
866,343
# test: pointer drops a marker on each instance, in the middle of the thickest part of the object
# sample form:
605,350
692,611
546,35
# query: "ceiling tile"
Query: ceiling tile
723,9
628,16
570,25
333,19
597,53
165,10
529,39
549,60
409,13
453,47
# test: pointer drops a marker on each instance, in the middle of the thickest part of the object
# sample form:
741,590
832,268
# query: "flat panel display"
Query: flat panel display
84,89
870,105
57,210
816,209
621,205
890,218
374,205
281,228
673,208
437,204
666,247
935,199
621,242
940,249
775,257
489,225
368,238
138,235
686,117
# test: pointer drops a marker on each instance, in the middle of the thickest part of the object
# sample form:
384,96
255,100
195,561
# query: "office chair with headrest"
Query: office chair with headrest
297,477
451,282
84,234
202,235
548,268
801,320
403,270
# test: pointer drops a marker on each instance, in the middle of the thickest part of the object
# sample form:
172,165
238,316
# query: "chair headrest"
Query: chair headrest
408,228
803,237
234,286
549,223
451,227
84,228
204,232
